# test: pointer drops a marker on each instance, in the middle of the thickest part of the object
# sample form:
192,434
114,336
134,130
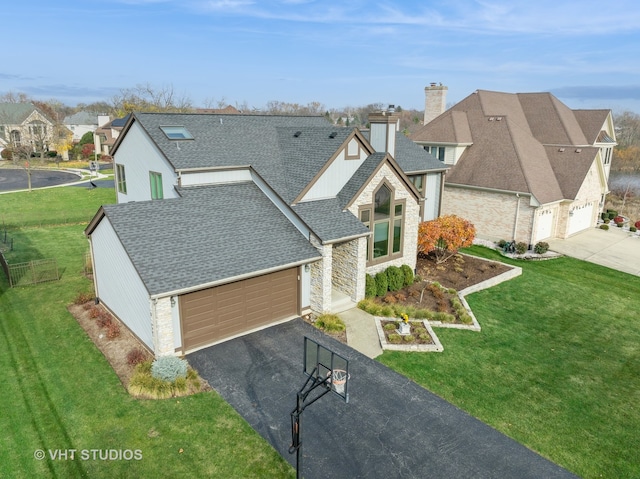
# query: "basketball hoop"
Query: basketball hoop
338,379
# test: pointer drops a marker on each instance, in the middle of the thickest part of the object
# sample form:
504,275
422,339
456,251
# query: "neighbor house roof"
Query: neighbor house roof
81,118
513,143
234,226
15,113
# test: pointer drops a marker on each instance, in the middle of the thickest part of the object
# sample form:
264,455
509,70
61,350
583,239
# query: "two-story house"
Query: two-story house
230,223
24,126
524,166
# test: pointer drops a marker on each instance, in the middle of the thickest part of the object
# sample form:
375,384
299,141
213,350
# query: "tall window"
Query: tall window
386,218
15,138
121,179
156,185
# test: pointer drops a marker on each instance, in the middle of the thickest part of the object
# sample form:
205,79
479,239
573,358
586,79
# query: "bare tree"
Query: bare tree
149,99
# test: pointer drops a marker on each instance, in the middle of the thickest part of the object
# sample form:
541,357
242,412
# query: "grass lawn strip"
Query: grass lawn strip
555,366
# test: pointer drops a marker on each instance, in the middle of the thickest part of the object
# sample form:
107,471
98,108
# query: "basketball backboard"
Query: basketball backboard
320,363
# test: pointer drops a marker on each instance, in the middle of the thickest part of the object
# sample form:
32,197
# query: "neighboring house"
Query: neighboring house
105,136
25,125
525,167
230,223
81,123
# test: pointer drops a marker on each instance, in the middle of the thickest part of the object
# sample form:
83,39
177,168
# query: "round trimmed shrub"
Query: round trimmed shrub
604,227
408,274
521,247
169,368
382,284
502,243
618,219
395,278
637,224
370,288
633,229
541,247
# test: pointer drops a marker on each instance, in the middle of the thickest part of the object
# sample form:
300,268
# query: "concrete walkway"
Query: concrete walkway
616,248
362,334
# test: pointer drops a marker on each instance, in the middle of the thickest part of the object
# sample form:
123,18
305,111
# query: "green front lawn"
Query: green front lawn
53,206
59,393
556,366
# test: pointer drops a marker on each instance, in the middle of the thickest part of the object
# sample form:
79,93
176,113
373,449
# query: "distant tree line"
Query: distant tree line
626,155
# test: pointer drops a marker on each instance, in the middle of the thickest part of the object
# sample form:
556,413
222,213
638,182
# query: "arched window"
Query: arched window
385,217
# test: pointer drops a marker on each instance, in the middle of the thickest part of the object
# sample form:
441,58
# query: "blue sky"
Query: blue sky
337,52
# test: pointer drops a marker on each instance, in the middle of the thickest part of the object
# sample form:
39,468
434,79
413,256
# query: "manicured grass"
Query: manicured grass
59,393
53,206
556,366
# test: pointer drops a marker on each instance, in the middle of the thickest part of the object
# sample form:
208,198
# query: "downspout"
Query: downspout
93,268
515,225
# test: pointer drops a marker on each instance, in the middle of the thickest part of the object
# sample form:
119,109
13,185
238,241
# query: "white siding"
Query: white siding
335,176
215,177
118,285
139,156
432,196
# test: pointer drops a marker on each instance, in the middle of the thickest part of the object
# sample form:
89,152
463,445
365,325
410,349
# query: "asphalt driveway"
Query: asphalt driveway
390,428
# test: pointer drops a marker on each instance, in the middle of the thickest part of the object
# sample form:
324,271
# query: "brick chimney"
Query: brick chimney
384,125
435,101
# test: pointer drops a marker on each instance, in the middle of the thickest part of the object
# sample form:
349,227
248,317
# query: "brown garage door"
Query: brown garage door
218,313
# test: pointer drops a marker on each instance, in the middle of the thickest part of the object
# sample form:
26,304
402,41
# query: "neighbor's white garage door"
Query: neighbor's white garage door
580,218
544,225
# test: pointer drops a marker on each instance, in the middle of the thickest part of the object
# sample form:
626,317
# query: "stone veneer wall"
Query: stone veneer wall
411,217
163,328
349,263
321,275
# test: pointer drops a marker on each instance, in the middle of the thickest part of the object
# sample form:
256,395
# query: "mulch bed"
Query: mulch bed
115,350
415,327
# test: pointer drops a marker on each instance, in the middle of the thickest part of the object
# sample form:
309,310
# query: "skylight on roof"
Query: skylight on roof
176,132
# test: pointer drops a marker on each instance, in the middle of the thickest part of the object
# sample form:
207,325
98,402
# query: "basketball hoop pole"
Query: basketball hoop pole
296,415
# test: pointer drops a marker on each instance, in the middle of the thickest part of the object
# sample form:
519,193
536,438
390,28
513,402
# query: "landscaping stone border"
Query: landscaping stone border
420,348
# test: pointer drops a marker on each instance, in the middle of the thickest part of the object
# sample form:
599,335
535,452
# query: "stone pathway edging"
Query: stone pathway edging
436,347
514,272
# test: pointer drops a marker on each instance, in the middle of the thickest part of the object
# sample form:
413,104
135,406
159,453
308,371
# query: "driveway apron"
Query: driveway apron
391,427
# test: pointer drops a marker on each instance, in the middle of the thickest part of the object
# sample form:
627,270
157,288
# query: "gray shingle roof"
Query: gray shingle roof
411,157
329,221
211,234
15,113
232,140
360,177
305,151
81,118
511,136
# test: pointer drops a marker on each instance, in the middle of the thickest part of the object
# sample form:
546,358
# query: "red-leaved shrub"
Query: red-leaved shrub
618,219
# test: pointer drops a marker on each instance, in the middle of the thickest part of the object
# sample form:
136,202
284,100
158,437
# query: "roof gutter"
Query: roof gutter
232,279
347,238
